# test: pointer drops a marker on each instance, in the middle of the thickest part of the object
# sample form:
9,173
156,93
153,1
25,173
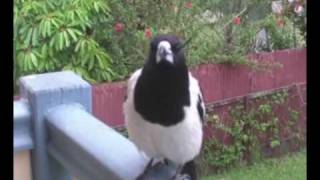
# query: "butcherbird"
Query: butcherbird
164,108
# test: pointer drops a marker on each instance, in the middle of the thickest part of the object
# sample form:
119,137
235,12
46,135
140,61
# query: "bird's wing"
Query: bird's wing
195,90
132,82
136,125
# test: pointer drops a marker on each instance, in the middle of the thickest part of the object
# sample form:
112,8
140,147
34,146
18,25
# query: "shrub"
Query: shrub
282,37
106,40
61,34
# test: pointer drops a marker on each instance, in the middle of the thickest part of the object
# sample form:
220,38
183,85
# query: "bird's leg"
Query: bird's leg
145,169
148,165
166,161
179,169
179,176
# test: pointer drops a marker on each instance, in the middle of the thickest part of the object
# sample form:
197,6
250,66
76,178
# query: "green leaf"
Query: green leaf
35,36
72,34
48,29
28,38
66,38
55,23
91,63
96,6
34,60
60,41
100,61
52,41
274,143
245,138
44,50
29,63
42,28
79,44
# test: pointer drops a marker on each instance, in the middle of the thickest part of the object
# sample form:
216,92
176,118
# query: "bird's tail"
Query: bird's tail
190,169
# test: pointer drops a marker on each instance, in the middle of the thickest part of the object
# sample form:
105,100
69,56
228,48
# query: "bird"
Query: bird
164,108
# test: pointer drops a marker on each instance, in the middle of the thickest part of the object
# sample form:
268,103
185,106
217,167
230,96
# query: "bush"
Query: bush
61,34
106,40
282,37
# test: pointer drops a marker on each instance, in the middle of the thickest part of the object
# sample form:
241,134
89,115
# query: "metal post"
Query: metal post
45,91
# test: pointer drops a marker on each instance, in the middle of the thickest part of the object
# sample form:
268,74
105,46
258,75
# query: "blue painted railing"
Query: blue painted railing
53,119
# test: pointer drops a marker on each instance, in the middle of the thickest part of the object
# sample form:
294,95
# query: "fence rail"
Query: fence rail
88,148
53,119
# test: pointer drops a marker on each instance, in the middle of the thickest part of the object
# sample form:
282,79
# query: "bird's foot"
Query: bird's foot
183,177
149,165
159,161
177,174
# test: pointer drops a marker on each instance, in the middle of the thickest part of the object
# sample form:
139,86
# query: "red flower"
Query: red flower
118,27
148,33
298,9
188,5
237,20
280,23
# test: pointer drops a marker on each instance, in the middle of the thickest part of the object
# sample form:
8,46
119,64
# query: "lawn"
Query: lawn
290,167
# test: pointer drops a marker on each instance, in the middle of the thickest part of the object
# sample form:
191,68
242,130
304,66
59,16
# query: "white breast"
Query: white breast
179,143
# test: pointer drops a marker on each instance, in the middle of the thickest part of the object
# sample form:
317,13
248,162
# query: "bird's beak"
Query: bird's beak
164,53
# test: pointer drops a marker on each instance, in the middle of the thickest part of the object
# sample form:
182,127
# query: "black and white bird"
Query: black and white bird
164,108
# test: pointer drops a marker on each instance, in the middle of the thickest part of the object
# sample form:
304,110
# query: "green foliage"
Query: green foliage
285,37
290,167
248,124
55,35
81,35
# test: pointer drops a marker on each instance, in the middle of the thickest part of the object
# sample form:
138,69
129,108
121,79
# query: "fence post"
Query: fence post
45,91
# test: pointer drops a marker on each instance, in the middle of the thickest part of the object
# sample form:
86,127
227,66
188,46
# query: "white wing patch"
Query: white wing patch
195,93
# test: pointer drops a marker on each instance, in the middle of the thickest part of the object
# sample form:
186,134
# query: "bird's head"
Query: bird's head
166,50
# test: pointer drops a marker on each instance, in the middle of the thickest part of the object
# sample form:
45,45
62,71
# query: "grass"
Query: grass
290,167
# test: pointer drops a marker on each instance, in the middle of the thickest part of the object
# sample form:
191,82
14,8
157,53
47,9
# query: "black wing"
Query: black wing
200,105
200,108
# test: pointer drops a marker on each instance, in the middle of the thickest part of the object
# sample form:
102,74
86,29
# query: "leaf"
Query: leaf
41,66
78,46
96,7
44,50
42,28
91,63
28,38
274,143
34,60
48,28
35,36
110,71
60,41
52,41
109,78
72,34
100,61
21,61
245,138
55,23
29,63
66,38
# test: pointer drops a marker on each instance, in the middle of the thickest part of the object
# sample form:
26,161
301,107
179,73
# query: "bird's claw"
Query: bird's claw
183,177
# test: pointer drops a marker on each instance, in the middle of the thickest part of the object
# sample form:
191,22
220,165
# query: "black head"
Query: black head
162,89
166,50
